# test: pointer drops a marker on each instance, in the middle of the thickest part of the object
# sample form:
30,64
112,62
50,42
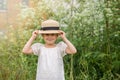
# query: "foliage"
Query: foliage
91,25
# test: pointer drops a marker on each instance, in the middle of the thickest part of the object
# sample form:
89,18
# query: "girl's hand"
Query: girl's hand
62,34
35,33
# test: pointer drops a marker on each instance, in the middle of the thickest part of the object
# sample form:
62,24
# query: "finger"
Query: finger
37,31
61,32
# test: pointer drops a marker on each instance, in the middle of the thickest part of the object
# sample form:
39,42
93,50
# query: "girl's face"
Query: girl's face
50,38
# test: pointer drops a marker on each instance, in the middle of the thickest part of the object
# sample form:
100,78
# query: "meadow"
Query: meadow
93,26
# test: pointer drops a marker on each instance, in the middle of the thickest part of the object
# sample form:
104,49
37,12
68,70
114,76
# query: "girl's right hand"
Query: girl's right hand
35,33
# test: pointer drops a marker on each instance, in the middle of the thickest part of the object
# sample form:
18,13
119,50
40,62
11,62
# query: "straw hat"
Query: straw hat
49,26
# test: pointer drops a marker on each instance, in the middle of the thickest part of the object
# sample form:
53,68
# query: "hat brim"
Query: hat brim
49,32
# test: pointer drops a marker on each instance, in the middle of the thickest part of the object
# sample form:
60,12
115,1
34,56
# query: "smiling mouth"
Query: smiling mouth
50,39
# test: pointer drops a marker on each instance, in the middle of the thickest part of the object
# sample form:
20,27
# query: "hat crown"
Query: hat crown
50,23
49,26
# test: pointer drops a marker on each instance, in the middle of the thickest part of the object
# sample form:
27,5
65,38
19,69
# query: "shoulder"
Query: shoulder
61,44
62,47
36,48
37,45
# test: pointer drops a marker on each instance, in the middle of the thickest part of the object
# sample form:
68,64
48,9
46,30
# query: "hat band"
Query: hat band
49,28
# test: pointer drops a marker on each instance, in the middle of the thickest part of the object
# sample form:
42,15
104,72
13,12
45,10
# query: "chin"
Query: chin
50,43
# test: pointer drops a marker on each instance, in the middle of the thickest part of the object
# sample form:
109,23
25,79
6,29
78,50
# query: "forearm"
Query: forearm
70,46
27,46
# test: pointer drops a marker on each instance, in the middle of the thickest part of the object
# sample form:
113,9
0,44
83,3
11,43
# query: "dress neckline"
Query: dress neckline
50,47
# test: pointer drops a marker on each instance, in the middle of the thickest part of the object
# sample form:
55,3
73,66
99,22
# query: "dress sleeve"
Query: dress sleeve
62,47
36,48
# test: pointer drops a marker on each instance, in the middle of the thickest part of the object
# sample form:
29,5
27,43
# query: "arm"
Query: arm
70,47
27,48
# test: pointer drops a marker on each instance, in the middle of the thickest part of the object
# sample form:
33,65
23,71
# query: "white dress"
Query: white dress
50,61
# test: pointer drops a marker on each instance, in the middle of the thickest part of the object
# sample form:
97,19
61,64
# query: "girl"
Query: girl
50,55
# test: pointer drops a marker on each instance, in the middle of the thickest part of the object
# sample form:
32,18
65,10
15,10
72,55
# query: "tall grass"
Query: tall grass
93,27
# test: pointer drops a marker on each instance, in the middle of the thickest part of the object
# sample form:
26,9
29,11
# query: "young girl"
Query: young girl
50,55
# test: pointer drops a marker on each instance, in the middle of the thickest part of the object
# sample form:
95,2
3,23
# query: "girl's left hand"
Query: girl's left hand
62,34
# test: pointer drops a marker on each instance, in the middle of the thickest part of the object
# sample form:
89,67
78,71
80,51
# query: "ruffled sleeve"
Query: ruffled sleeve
36,47
62,47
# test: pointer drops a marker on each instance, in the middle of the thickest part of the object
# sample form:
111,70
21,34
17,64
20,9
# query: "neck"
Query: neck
50,45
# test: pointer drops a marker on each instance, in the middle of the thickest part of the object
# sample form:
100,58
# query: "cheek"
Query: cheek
55,37
44,38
